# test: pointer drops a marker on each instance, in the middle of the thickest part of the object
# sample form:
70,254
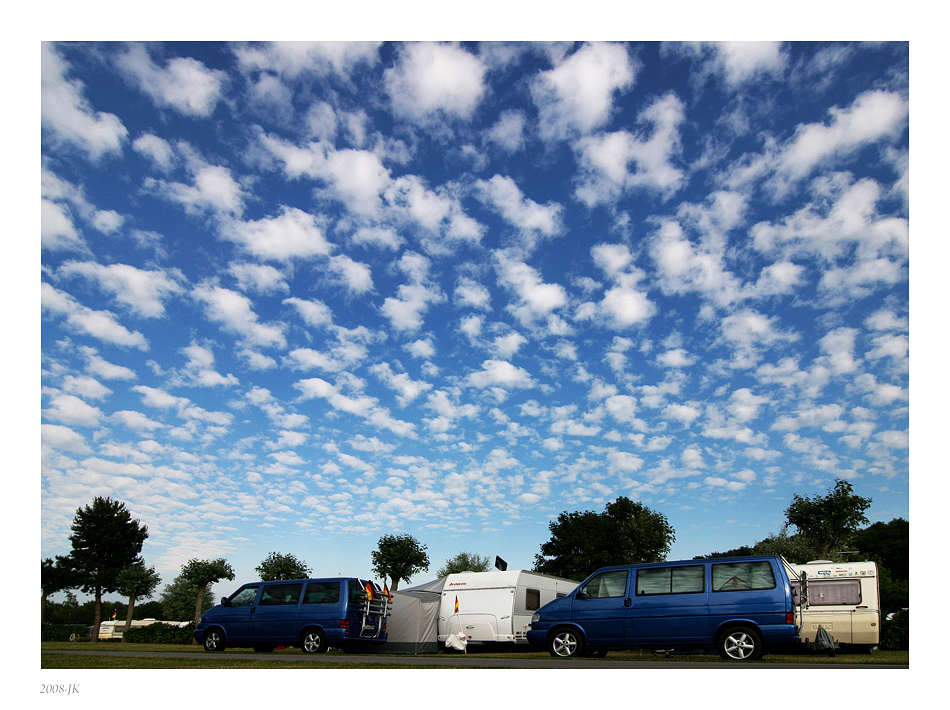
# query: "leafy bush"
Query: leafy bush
161,633
895,636
62,632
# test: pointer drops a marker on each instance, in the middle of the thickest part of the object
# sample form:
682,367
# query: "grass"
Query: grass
229,659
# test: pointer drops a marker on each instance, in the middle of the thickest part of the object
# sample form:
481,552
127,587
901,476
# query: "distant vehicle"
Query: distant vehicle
739,606
496,606
116,629
842,597
314,614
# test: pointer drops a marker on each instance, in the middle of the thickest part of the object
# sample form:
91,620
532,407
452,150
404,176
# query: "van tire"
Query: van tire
740,643
565,642
313,641
214,640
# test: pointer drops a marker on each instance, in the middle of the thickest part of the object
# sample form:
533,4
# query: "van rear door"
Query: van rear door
600,607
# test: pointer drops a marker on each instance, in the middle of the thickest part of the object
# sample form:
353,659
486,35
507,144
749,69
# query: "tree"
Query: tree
277,566
625,533
465,562
399,557
203,573
889,543
831,520
136,581
55,576
105,540
178,600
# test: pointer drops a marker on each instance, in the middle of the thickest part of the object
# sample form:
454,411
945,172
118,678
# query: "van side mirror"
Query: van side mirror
583,595
225,601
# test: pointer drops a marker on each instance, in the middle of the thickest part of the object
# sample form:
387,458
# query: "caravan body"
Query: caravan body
843,598
495,606
115,629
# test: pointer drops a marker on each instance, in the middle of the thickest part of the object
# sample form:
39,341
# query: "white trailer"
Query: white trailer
495,606
843,598
115,629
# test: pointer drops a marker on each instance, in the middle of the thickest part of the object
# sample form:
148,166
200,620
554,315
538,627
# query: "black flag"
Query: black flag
500,564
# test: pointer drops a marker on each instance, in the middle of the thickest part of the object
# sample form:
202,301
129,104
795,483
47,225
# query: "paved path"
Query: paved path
463,661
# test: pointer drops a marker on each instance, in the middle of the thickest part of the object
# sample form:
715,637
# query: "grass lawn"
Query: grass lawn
229,658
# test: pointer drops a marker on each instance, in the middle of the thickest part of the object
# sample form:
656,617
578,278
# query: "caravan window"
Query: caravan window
532,600
670,580
831,591
742,576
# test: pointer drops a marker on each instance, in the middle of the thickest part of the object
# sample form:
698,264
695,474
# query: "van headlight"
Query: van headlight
535,618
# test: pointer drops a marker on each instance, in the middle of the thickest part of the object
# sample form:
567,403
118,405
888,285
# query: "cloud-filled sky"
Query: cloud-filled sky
299,295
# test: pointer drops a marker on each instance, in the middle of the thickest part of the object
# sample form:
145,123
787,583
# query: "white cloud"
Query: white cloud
64,439
406,311
432,80
213,191
536,298
258,278
66,113
508,132
184,84
143,292
158,150
294,59
576,96
606,159
500,373
233,311
72,411
101,325
293,234
314,312
530,218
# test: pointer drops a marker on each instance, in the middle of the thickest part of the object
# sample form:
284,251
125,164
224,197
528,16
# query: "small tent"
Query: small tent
413,625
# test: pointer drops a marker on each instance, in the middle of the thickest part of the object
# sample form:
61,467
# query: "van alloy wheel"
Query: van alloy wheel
741,643
214,640
565,643
313,642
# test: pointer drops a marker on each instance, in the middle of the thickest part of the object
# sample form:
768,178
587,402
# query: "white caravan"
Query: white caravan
495,606
841,597
116,629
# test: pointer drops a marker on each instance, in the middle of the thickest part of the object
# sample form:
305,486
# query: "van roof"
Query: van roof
704,560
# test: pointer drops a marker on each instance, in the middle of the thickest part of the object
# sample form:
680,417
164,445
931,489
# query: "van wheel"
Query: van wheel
313,642
214,640
741,643
565,643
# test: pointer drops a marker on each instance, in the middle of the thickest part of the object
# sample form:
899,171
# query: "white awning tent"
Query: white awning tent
413,625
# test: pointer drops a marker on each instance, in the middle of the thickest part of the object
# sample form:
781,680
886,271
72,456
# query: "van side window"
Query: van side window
322,593
828,592
275,594
532,600
742,576
608,584
245,597
670,580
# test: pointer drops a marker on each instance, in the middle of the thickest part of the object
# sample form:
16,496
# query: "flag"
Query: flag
386,592
456,604
369,592
113,614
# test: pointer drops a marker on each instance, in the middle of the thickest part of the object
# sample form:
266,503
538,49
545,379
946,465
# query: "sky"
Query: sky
297,296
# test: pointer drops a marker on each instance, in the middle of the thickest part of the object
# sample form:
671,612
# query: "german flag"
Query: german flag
369,592
386,592
456,604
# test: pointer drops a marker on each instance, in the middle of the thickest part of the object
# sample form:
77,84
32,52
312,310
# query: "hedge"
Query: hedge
161,633
895,636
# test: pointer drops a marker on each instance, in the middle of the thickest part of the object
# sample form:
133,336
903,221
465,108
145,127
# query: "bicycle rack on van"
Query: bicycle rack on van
375,612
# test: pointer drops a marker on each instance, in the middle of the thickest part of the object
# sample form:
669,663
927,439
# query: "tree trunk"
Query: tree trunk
128,619
201,598
97,617
395,584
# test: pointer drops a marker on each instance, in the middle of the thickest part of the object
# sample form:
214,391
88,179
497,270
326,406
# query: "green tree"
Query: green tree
55,576
625,533
105,540
277,567
203,573
178,600
889,544
465,562
794,548
136,581
830,520
399,557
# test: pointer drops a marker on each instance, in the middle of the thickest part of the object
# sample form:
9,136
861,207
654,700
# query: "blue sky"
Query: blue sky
297,296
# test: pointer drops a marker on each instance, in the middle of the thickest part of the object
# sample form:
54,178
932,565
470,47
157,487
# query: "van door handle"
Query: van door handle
627,602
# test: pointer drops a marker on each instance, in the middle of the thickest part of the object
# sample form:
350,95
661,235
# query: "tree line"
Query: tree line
107,543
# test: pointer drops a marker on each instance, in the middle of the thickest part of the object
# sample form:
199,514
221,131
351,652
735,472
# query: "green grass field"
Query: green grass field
230,659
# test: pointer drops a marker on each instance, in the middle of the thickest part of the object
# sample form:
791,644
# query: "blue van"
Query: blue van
737,605
313,614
